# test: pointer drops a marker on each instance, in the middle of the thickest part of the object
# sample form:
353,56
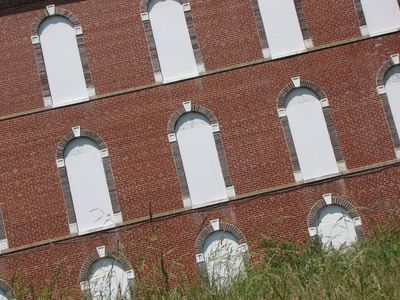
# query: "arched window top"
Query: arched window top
221,253
299,96
392,76
6,292
191,120
336,221
108,279
52,11
107,273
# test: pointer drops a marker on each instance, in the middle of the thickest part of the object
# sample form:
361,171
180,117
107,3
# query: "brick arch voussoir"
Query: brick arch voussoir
320,204
225,227
84,133
145,3
380,76
303,84
86,267
195,108
58,12
7,289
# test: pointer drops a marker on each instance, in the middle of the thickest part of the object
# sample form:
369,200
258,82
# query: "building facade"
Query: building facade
138,133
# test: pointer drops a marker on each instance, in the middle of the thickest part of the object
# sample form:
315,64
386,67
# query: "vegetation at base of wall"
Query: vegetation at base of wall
368,270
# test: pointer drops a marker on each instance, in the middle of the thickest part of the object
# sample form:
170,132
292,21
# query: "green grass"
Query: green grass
369,270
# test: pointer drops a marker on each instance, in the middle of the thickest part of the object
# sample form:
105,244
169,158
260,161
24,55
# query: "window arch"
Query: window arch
107,274
172,39
388,81
309,131
221,254
88,185
282,27
6,292
61,58
377,17
199,156
336,222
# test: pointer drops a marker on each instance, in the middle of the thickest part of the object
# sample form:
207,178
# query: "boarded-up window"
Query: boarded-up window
62,60
310,134
87,181
108,280
392,87
223,257
336,227
281,26
171,35
200,159
381,15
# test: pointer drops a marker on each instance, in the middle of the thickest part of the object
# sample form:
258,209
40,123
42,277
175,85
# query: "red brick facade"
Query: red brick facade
131,114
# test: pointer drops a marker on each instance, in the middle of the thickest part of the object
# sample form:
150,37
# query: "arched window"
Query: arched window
200,159
335,227
88,185
381,16
392,88
172,39
310,134
109,280
62,61
223,258
3,295
282,27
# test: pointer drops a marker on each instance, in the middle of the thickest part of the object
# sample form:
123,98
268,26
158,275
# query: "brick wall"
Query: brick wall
133,120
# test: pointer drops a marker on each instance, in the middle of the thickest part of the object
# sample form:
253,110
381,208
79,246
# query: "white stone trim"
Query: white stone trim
118,218
104,153
342,166
73,228
215,127
78,30
85,286
397,152
395,59
3,245
35,39
357,221
187,202
200,258
144,16
312,231
77,131
101,251
230,191
364,31
201,68
244,247
324,102
215,224
172,137
327,198
60,163
130,274
282,112
51,9
308,43
187,105
298,177
48,102
296,81
186,7
267,53
381,90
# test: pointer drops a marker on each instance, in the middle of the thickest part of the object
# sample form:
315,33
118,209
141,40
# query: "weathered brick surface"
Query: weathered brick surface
134,127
